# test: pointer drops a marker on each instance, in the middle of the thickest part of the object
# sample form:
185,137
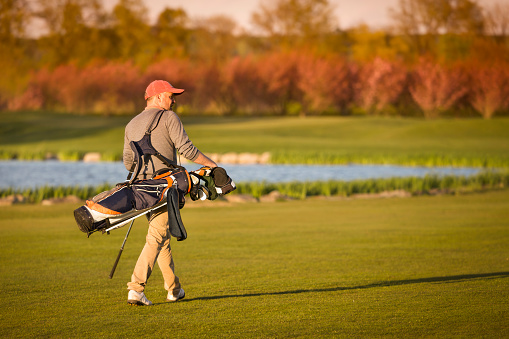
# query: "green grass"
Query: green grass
417,267
472,142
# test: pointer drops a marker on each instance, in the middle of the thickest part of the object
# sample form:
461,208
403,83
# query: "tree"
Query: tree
294,21
242,86
422,21
171,33
380,83
489,87
130,23
213,38
279,72
436,88
14,16
326,83
368,44
71,29
497,21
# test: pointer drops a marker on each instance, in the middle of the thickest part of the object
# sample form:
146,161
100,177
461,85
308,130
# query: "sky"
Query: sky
349,13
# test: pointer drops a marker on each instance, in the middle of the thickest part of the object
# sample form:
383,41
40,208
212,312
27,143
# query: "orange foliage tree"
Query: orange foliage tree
242,86
326,82
380,83
102,88
278,82
436,88
202,81
279,72
489,85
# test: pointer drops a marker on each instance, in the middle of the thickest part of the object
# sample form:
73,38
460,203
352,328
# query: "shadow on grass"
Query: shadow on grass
447,279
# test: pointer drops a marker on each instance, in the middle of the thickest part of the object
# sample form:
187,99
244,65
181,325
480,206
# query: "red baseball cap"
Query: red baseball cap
160,86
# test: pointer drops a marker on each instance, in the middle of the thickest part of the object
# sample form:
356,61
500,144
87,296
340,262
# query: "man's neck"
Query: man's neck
154,106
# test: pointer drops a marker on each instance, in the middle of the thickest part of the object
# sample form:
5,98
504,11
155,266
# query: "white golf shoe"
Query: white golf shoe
172,298
138,298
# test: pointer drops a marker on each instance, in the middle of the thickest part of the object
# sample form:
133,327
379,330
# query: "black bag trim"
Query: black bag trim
176,226
86,222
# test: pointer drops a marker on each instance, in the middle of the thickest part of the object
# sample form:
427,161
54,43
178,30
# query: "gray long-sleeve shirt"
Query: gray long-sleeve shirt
167,137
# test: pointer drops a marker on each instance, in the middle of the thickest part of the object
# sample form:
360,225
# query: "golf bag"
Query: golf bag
116,207
126,201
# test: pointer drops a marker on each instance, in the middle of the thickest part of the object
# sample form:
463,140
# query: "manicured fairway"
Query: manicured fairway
414,267
293,140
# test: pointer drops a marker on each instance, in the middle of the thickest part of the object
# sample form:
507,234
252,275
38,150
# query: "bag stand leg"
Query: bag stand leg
121,249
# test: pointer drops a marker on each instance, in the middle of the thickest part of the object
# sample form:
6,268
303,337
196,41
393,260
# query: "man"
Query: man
167,137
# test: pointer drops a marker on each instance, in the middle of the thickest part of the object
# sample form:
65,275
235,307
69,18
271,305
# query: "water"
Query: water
31,174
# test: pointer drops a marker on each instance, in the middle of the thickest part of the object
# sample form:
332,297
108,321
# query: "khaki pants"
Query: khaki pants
157,247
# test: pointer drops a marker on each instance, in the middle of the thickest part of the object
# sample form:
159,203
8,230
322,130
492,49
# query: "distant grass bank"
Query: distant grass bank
310,140
402,268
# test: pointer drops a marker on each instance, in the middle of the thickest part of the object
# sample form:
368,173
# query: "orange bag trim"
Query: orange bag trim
101,209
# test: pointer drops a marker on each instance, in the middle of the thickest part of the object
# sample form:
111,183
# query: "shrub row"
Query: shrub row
278,83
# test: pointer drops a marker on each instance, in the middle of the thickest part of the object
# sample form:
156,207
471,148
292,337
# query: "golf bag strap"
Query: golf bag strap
143,150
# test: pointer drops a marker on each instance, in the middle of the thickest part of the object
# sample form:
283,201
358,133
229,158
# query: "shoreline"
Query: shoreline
243,158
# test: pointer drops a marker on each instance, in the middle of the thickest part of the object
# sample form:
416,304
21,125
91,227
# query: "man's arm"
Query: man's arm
182,143
127,155
204,160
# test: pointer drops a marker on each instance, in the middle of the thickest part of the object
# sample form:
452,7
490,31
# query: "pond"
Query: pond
31,174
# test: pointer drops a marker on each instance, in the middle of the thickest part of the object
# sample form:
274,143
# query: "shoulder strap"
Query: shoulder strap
156,153
157,117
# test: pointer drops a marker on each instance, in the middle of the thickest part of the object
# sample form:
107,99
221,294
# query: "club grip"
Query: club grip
115,264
